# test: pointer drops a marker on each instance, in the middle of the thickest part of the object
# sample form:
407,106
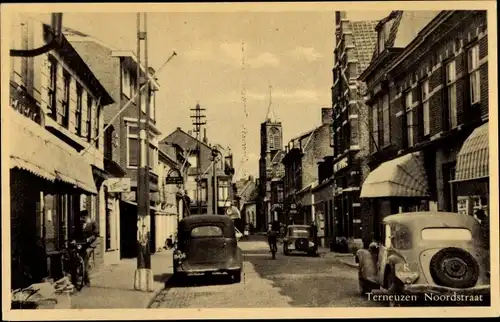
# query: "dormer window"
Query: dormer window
381,39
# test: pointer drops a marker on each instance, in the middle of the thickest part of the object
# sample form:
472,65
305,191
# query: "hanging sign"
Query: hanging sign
174,177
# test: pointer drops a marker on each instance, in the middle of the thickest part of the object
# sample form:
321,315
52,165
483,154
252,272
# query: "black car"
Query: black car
207,244
302,238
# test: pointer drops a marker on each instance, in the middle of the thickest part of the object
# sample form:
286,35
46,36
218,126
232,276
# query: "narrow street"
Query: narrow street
287,281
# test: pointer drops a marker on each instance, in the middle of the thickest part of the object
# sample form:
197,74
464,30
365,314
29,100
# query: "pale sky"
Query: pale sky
291,51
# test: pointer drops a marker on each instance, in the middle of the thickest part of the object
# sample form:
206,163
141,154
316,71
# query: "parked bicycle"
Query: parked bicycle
74,263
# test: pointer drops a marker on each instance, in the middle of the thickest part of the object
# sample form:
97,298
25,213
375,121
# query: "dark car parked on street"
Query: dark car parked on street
301,238
207,244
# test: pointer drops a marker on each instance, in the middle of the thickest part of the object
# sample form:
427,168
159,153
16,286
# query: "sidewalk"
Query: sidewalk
347,259
113,286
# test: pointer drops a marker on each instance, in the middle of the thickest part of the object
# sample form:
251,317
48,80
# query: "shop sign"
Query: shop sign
341,164
174,177
23,103
119,184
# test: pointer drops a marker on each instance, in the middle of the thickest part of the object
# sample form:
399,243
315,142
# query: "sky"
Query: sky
290,51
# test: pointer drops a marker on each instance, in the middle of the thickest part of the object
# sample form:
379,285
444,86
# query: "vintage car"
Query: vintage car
426,253
301,238
207,244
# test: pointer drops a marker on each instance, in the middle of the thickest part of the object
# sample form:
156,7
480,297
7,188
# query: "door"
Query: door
207,245
382,255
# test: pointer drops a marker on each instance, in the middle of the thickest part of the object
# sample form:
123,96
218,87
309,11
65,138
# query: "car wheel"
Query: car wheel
454,267
285,250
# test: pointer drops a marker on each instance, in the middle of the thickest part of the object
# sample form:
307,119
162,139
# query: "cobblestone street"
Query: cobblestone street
288,281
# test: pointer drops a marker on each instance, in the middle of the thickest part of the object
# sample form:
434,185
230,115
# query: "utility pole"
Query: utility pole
198,121
143,277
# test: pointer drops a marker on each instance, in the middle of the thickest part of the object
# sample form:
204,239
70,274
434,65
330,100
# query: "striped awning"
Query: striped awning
473,158
34,149
402,177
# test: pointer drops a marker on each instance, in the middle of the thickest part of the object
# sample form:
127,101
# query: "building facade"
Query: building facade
55,153
117,70
429,113
216,184
355,42
270,168
301,173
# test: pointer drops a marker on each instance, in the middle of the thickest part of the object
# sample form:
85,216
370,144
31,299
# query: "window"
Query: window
193,161
125,82
96,125
133,85
409,119
386,114
223,191
52,87
451,90
473,68
78,110
108,143
207,231
381,40
63,117
132,146
425,107
89,117
152,111
152,158
204,195
447,234
375,126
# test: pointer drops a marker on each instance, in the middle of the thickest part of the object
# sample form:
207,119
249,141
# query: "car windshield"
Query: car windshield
206,231
300,232
446,234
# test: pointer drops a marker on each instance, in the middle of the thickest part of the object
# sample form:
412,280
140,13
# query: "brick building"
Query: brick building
211,200
301,171
117,70
270,172
355,42
428,96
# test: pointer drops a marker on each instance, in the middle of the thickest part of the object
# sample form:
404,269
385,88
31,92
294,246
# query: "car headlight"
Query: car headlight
311,244
78,247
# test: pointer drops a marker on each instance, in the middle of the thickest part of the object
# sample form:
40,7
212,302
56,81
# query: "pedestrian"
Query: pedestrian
484,223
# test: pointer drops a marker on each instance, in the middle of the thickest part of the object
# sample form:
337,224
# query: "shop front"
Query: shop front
471,184
50,184
323,209
395,186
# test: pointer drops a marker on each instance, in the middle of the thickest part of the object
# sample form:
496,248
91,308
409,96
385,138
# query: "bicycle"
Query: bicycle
74,263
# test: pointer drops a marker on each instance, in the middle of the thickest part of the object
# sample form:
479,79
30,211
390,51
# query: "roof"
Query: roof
404,27
365,40
193,219
183,143
433,219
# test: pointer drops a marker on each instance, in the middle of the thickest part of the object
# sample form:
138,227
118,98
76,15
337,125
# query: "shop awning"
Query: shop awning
402,177
473,158
34,149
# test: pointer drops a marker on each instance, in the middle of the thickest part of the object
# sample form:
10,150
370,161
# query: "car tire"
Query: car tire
458,259
285,250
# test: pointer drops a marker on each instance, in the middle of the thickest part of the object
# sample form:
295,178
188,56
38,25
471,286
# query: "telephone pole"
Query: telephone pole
143,277
198,121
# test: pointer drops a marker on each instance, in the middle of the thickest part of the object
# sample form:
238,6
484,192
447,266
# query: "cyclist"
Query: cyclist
87,233
272,234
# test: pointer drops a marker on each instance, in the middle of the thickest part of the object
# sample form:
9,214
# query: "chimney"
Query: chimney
326,115
205,140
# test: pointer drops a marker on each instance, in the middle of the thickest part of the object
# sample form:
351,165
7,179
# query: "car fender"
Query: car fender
367,266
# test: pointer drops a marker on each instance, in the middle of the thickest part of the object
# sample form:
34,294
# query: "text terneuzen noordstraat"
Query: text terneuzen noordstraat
426,296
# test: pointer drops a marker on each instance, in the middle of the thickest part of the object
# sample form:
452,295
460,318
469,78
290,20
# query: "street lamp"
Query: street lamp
215,152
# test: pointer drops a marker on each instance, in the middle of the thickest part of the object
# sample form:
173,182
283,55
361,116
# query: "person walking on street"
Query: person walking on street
88,234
